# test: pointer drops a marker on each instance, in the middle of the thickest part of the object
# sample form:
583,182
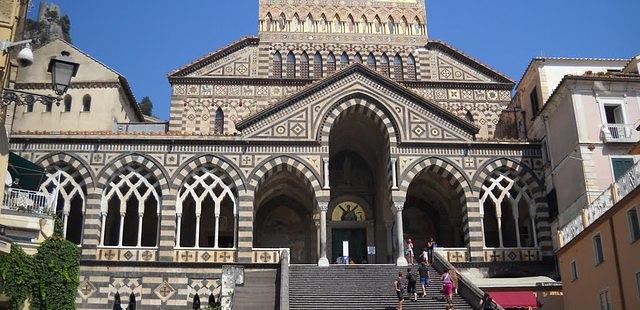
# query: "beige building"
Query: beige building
98,98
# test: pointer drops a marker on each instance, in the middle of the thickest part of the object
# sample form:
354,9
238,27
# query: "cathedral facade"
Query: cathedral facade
338,122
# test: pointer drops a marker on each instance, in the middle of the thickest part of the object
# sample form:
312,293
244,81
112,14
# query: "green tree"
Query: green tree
146,106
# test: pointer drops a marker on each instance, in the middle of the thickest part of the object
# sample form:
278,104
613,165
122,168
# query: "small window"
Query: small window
86,103
371,61
291,65
574,271
597,248
67,103
344,60
620,166
317,65
277,65
535,102
219,122
397,67
614,114
48,107
634,226
331,63
30,107
604,300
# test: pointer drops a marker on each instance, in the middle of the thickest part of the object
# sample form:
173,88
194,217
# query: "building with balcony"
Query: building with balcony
584,113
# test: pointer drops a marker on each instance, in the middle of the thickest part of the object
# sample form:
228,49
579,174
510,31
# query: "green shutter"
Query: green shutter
621,166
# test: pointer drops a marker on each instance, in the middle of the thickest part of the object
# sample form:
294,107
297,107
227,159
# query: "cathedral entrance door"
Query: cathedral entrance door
357,238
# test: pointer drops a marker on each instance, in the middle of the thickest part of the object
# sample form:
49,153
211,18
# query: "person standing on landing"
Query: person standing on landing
409,251
423,270
411,285
430,245
399,290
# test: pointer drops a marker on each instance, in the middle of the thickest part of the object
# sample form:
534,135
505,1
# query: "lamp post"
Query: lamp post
62,69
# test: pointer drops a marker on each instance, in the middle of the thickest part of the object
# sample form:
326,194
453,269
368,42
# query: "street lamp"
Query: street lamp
62,69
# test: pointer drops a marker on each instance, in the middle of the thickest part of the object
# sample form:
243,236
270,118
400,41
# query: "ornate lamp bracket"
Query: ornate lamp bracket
18,97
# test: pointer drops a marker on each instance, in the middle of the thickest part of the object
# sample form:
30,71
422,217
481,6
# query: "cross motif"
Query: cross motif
225,256
469,162
529,255
494,256
165,290
109,254
146,255
186,256
86,289
246,160
456,256
265,257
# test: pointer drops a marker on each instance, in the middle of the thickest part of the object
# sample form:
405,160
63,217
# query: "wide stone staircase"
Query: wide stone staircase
358,287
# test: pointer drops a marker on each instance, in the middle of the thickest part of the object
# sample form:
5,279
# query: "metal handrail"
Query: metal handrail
28,201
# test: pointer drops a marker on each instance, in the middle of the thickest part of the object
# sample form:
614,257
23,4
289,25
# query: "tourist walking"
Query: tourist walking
454,279
411,284
447,287
430,245
423,270
409,251
399,290
424,256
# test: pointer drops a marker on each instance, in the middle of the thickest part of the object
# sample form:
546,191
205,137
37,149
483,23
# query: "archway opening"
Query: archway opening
359,168
284,215
433,209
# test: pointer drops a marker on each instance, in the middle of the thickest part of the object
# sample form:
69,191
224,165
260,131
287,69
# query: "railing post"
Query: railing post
614,193
585,217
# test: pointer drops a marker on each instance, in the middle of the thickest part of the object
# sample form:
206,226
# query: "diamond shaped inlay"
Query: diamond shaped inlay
206,256
128,255
164,291
297,129
86,289
418,130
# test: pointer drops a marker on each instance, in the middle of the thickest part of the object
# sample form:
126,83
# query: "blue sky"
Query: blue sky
145,39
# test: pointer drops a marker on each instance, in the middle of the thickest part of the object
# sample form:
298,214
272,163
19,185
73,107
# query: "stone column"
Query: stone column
325,169
140,216
322,208
65,220
121,229
394,173
197,245
102,228
400,259
178,230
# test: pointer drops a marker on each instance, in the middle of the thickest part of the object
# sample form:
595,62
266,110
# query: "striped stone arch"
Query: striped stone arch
525,177
362,104
122,161
78,164
442,168
281,163
231,171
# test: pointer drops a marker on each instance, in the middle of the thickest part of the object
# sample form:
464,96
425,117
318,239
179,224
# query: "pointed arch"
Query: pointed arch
378,28
397,67
337,24
411,68
351,24
391,25
363,24
344,60
219,122
417,26
67,187
277,65
291,65
371,61
268,22
405,29
317,65
323,24
331,63
296,23
282,22
309,24
304,65
357,58
384,65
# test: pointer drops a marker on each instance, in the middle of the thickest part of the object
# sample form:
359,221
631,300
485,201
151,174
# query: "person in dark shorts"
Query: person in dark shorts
399,290
430,245
411,284
423,270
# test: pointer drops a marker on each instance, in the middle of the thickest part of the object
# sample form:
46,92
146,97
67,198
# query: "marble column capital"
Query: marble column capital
323,206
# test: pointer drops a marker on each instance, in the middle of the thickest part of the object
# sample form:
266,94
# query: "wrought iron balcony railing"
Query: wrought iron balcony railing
26,201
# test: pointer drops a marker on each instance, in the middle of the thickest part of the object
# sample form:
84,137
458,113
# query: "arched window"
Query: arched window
67,103
377,25
384,65
304,65
206,210
219,122
30,107
391,25
323,24
397,67
417,26
66,183
411,68
508,212
282,22
331,63
48,106
344,60
296,23
363,25
308,24
317,65
337,24
351,24
130,208
371,61
291,65
404,26
86,103
357,58
268,22
277,65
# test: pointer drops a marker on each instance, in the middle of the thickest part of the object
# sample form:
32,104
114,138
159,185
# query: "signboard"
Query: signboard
371,250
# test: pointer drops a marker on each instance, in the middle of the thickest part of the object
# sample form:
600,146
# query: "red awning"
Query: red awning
515,299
